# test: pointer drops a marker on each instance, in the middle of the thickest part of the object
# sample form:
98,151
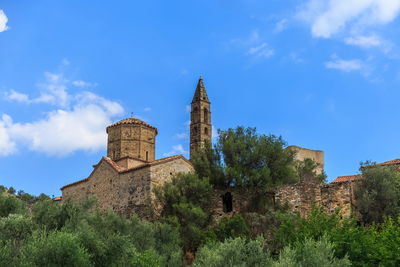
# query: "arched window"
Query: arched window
195,114
227,202
205,115
147,155
206,131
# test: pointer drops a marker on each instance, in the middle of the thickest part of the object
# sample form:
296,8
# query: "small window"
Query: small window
227,202
147,155
206,131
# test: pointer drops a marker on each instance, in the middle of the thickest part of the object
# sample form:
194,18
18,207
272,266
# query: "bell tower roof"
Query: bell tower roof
200,93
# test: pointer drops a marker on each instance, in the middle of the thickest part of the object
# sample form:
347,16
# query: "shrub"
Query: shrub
233,252
231,227
9,204
55,249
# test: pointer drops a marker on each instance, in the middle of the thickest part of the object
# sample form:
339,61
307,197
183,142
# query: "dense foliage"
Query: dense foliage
378,193
243,158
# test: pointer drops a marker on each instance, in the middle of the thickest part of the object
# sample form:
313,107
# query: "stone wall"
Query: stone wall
162,173
125,191
301,197
241,199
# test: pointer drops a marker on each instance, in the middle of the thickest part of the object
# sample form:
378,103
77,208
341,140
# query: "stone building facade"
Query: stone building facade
125,180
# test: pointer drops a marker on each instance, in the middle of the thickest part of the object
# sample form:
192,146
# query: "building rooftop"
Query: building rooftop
133,121
348,178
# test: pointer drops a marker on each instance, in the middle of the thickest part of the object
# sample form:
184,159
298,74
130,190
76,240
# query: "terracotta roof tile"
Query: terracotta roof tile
57,198
347,178
390,162
131,121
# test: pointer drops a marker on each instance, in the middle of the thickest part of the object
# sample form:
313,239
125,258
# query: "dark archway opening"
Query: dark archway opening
205,115
227,202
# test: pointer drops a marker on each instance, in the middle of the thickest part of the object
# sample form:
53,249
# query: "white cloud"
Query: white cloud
7,146
344,65
328,17
214,133
78,123
80,83
177,149
261,51
18,97
188,108
364,41
280,26
147,109
182,135
3,21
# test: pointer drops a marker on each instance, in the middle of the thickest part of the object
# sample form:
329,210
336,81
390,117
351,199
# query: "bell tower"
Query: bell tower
200,118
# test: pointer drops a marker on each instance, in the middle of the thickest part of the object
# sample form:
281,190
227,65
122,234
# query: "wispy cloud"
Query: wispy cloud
261,51
280,26
3,21
253,45
182,135
147,109
364,41
344,65
16,96
329,17
80,83
77,122
177,149
52,91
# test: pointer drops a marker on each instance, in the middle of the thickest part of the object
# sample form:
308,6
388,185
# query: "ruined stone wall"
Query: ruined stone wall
241,200
301,197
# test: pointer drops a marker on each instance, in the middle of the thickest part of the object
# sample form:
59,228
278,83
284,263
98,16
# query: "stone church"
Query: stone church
125,179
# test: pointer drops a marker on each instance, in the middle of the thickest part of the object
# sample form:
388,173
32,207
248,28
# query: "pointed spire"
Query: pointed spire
200,94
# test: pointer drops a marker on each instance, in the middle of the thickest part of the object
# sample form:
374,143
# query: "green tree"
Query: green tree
186,203
378,193
308,167
244,159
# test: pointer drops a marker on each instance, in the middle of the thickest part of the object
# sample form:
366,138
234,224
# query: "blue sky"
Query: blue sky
324,74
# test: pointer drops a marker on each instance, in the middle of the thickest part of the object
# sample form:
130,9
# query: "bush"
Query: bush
16,227
233,252
55,249
9,204
231,227
311,253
